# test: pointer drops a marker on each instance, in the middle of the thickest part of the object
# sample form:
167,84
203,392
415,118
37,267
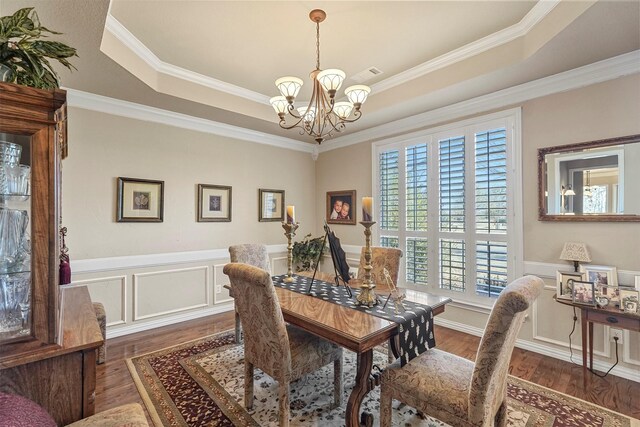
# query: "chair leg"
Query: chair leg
248,384
385,406
501,415
238,326
338,385
283,410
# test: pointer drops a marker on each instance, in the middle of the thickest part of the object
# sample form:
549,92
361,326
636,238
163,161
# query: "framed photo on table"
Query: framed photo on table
341,207
270,205
214,203
563,288
140,200
583,292
600,274
629,300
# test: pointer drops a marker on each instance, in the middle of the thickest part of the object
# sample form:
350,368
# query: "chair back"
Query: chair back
252,254
489,380
266,342
381,258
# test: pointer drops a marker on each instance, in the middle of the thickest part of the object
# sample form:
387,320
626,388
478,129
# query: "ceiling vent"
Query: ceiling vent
366,75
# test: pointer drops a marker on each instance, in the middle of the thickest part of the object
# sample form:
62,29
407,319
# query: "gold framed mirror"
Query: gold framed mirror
590,181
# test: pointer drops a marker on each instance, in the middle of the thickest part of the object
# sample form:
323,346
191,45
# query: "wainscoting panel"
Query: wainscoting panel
279,265
172,291
112,293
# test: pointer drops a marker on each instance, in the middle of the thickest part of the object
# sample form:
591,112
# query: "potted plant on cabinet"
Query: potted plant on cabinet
307,252
24,57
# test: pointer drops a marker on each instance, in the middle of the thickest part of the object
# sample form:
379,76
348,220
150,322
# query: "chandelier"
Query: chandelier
323,115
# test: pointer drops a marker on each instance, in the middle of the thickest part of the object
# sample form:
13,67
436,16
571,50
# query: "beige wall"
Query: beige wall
103,147
348,168
604,110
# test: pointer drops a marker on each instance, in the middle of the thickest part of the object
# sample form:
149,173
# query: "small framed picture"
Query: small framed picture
563,288
583,292
214,203
629,300
611,292
270,205
140,200
600,274
341,207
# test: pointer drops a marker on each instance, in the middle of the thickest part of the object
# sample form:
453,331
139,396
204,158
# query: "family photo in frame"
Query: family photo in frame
563,285
341,207
583,292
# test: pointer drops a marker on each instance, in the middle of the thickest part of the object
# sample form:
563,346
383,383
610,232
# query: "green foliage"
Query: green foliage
26,55
307,252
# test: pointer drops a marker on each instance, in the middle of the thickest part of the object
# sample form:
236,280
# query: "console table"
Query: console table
610,316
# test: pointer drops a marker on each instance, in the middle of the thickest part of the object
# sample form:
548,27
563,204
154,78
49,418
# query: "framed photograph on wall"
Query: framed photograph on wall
600,274
583,292
214,203
341,207
140,200
270,205
563,288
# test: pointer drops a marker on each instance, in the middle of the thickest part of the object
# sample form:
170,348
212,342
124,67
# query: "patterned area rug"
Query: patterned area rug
201,384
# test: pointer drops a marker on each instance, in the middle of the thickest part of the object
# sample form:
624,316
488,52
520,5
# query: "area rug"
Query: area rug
200,383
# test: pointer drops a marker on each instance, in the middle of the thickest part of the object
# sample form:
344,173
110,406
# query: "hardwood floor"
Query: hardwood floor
115,386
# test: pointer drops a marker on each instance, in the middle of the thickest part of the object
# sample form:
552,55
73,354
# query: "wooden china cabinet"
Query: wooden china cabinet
48,335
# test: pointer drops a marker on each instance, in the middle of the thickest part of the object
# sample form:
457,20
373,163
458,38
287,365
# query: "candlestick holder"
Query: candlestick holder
290,231
367,295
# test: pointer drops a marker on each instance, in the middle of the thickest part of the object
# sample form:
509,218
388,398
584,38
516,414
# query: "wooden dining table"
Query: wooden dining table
352,329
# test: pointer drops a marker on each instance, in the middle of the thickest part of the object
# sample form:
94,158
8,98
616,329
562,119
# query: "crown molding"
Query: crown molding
116,107
608,69
535,15
120,32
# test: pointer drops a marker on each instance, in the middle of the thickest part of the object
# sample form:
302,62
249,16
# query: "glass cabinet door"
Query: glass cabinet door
15,241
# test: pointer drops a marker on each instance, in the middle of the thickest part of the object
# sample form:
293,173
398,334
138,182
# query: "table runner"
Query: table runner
415,324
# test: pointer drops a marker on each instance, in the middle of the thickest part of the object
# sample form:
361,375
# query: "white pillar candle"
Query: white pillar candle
291,214
367,208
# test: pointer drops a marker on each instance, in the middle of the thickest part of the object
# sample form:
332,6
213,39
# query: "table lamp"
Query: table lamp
576,252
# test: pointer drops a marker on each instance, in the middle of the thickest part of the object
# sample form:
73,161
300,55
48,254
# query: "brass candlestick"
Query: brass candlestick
367,295
290,231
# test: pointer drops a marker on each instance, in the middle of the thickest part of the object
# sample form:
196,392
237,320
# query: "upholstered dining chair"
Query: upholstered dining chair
381,258
284,352
252,254
455,390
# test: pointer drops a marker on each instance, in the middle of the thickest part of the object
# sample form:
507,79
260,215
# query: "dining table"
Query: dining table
354,330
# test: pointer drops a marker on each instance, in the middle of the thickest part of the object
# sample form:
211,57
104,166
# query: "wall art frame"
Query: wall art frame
140,200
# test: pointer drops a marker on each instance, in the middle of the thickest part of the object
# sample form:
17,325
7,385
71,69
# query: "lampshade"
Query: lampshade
289,87
279,103
569,192
343,109
331,80
357,94
575,252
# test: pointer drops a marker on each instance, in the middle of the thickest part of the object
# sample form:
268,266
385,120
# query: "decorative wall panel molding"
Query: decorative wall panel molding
168,294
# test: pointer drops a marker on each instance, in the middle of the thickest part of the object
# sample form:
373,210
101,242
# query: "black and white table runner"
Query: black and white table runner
415,324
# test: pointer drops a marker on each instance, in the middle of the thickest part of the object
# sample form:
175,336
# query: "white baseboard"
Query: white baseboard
620,371
169,320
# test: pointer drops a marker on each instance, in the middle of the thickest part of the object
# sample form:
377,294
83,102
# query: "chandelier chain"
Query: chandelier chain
317,45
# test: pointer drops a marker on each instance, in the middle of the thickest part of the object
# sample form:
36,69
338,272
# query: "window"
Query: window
447,199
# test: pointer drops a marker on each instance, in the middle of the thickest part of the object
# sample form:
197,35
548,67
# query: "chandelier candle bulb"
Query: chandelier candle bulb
291,214
367,208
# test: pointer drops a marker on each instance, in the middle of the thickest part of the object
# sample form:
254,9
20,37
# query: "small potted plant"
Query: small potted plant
307,252
24,57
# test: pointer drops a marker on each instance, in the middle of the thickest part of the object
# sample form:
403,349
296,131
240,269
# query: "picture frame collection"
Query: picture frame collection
597,285
142,200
